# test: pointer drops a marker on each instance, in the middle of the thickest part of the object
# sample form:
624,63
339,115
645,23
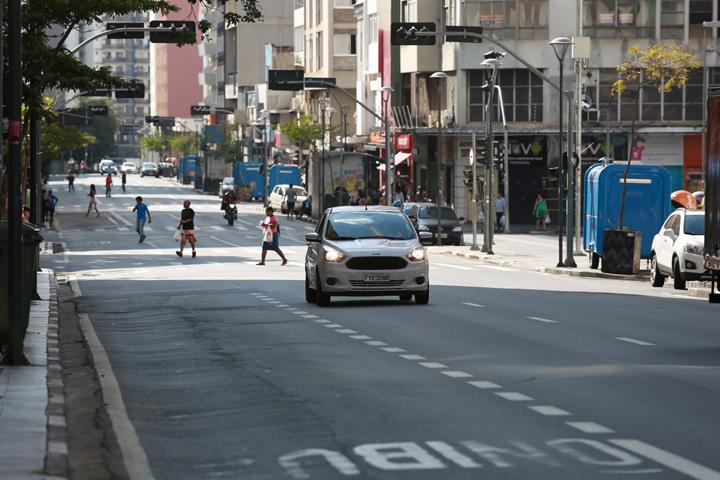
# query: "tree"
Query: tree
183,144
103,128
305,132
155,143
56,139
665,67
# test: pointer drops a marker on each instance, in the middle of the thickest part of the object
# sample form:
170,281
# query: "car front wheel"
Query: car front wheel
678,281
323,299
310,293
657,278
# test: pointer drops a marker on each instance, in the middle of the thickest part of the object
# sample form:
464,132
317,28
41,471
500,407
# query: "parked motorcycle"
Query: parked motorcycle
231,213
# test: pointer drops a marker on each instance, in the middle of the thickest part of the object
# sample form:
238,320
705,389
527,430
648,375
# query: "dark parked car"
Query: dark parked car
424,216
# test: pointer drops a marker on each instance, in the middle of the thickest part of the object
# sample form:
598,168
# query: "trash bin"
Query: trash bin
31,240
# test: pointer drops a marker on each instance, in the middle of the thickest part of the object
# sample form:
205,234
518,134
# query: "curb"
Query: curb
56,453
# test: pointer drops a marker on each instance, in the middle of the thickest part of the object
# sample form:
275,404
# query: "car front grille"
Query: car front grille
376,263
376,285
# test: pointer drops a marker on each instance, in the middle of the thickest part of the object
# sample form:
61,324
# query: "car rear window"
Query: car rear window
431,212
367,225
695,224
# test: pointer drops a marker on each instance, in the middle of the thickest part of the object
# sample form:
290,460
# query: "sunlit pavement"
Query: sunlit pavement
225,371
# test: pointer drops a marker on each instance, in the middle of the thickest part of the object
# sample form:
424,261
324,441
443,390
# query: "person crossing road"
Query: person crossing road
143,214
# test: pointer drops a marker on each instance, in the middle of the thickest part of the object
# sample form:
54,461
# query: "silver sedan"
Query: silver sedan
365,251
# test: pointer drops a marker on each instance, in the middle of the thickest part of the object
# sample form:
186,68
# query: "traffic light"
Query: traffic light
498,151
175,31
468,177
131,90
406,33
286,80
160,121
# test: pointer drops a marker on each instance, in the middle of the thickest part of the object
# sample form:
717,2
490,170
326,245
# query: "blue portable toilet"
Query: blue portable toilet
647,203
247,174
188,169
282,174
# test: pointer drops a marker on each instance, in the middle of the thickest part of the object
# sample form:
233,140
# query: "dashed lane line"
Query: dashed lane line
670,460
360,337
393,349
224,242
541,319
450,265
589,427
432,365
476,305
413,357
549,410
635,341
346,331
484,384
514,396
332,325
456,374
321,320
376,343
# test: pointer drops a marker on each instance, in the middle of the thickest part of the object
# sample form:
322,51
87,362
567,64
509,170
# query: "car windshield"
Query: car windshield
431,212
365,225
149,165
129,164
695,224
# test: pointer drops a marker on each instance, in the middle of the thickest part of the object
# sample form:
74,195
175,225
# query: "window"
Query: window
672,18
299,39
345,44
700,11
319,47
318,11
408,10
522,93
373,21
624,18
522,19
449,12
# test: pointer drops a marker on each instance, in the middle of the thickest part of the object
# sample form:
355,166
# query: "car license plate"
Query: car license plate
442,235
376,277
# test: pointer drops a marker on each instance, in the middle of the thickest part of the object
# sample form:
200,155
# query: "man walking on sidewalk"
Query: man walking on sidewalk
142,214
500,213
290,197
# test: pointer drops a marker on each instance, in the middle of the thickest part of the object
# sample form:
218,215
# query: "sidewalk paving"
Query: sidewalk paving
32,419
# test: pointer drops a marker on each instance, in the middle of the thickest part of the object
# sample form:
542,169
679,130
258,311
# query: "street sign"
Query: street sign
74,116
99,92
287,80
161,121
200,110
406,33
123,35
320,82
183,32
458,34
132,90
100,110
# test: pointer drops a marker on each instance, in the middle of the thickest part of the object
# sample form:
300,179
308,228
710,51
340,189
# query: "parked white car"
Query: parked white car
366,251
107,166
277,197
677,249
128,167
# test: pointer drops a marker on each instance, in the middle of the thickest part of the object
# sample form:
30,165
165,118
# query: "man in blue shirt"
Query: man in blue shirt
142,214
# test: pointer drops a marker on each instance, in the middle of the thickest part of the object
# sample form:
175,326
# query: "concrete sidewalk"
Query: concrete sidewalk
32,418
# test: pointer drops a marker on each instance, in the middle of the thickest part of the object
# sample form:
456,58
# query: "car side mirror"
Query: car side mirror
425,235
461,219
312,237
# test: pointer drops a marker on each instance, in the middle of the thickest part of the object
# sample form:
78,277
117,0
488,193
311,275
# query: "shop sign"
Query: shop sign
527,150
404,142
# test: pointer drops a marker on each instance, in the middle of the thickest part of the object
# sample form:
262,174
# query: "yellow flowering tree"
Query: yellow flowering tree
665,67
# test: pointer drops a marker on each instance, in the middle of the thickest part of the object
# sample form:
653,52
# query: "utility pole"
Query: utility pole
35,171
473,159
16,294
439,77
492,63
266,169
570,258
344,109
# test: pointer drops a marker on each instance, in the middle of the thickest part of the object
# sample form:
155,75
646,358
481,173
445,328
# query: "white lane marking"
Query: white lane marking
670,460
122,220
333,325
541,319
514,396
432,365
113,220
412,357
100,230
123,229
74,286
282,305
449,265
321,320
589,427
393,350
152,244
230,244
346,330
376,343
456,374
360,337
306,316
133,455
634,341
495,267
470,304
484,385
171,229
300,312
549,410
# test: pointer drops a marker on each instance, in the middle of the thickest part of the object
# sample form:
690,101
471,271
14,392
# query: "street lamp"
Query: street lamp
266,175
560,45
492,63
324,103
439,76
344,109
386,92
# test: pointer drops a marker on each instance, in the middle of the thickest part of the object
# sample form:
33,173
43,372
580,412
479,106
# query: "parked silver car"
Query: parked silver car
365,251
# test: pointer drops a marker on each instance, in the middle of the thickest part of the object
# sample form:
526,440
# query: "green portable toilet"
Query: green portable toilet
31,240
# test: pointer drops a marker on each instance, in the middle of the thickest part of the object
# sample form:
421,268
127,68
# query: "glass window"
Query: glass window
700,11
694,224
360,225
319,46
446,213
672,18
509,18
624,18
522,93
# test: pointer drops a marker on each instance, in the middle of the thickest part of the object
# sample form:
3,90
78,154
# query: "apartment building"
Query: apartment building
174,71
670,123
128,58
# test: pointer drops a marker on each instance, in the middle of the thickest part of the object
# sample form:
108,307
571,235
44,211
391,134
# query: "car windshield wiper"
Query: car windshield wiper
336,239
380,237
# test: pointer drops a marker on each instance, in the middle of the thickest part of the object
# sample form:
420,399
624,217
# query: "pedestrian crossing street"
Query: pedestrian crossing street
167,228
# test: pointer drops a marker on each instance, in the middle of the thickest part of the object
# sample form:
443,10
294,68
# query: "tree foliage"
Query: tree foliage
182,144
155,143
56,139
305,132
665,67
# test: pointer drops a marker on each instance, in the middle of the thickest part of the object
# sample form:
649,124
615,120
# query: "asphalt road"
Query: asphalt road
224,371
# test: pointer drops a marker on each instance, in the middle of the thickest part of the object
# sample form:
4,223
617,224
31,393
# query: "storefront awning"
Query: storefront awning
400,157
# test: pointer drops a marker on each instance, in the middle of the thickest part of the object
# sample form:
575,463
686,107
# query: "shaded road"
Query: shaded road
225,371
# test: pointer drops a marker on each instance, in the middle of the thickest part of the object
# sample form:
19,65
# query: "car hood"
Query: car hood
375,245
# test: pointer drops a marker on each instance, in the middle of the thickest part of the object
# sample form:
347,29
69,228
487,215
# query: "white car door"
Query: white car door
665,246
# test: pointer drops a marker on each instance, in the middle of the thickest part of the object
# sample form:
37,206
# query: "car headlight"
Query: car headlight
457,229
694,248
417,255
423,228
333,256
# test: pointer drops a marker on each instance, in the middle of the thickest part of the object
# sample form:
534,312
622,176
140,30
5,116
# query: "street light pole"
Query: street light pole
560,46
439,76
386,92
473,158
492,63
266,170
